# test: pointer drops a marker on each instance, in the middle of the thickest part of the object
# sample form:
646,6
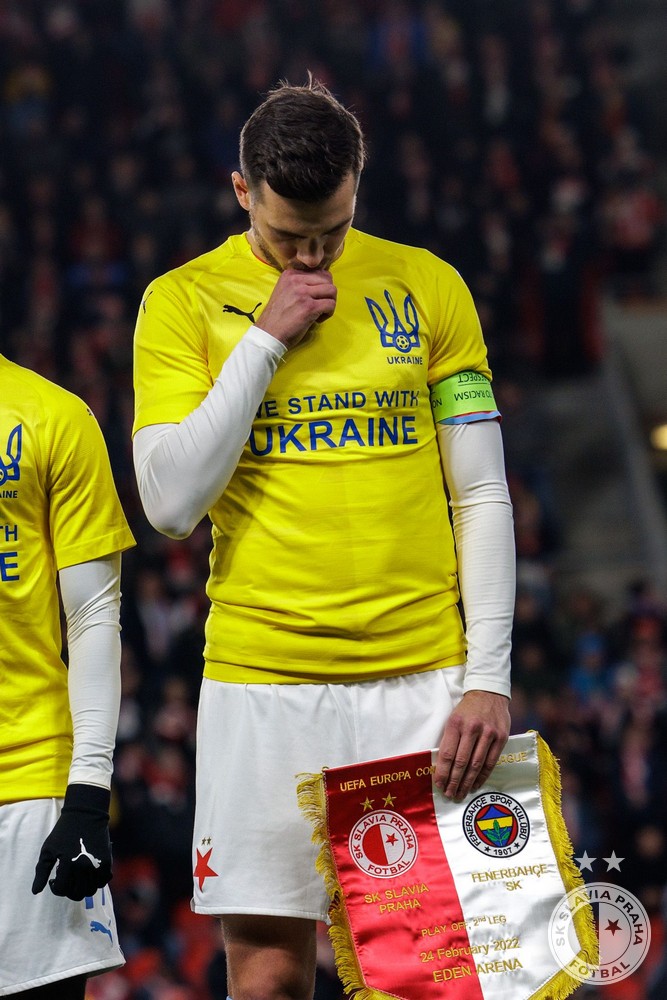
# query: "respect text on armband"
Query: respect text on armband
383,420
9,557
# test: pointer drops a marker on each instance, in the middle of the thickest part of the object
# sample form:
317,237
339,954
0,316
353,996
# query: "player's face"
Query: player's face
297,234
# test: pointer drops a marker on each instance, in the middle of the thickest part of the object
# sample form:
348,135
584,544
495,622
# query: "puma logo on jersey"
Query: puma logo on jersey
240,312
85,854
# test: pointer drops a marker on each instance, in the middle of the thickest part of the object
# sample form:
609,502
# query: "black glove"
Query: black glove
79,844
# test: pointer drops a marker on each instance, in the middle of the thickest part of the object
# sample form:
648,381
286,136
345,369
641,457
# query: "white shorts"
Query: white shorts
252,847
45,938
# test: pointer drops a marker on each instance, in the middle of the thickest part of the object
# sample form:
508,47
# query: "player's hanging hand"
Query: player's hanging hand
299,299
79,845
474,737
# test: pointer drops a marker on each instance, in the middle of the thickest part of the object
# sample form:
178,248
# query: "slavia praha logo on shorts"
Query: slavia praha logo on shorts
383,844
496,825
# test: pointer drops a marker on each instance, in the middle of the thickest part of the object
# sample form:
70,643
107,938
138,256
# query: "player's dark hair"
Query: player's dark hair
302,142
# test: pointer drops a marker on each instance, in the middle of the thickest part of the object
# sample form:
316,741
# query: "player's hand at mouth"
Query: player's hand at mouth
300,299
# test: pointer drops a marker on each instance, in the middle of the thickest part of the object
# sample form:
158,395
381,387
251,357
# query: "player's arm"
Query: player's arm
183,468
79,843
473,466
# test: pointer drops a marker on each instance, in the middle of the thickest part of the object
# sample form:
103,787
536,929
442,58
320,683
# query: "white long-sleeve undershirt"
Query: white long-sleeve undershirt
473,463
91,600
182,470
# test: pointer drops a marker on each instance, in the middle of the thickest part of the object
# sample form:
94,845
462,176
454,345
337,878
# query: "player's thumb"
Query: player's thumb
42,871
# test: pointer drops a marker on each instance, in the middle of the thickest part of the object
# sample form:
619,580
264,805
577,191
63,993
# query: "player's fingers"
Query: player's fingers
318,300
453,758
322,292
42,872
444,761
43,869
480,765
489,764
460,773
77,879
83,882
61,881
297,279
327,308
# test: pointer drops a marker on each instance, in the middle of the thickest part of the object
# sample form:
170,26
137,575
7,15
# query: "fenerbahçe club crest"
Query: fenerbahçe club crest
383,844
496,825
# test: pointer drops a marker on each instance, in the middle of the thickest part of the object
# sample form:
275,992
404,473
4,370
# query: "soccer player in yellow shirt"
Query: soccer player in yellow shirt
60,524
322,394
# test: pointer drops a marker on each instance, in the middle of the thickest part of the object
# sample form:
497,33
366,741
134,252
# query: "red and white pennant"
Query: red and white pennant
433,899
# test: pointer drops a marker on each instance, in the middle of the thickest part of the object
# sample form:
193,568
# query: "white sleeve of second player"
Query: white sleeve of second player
473,463
182,469
91,600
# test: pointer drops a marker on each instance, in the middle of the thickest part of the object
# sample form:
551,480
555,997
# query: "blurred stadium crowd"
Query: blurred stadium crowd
502,138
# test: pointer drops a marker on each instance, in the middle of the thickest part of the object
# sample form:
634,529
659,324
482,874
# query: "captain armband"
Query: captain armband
463,398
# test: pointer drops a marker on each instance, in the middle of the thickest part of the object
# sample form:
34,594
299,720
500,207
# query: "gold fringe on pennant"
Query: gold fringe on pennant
564,982
311,794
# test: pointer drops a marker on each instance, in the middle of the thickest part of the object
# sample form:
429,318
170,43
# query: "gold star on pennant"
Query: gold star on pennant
368,804
389,800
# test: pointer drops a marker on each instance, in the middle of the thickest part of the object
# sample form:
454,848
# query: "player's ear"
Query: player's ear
241,190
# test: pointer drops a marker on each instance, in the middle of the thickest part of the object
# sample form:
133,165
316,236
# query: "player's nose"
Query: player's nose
310,255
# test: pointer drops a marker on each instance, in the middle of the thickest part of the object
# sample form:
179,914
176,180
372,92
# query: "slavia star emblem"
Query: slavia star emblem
202,869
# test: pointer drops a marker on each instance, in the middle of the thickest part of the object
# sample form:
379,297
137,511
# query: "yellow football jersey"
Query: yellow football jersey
333,557
58,508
